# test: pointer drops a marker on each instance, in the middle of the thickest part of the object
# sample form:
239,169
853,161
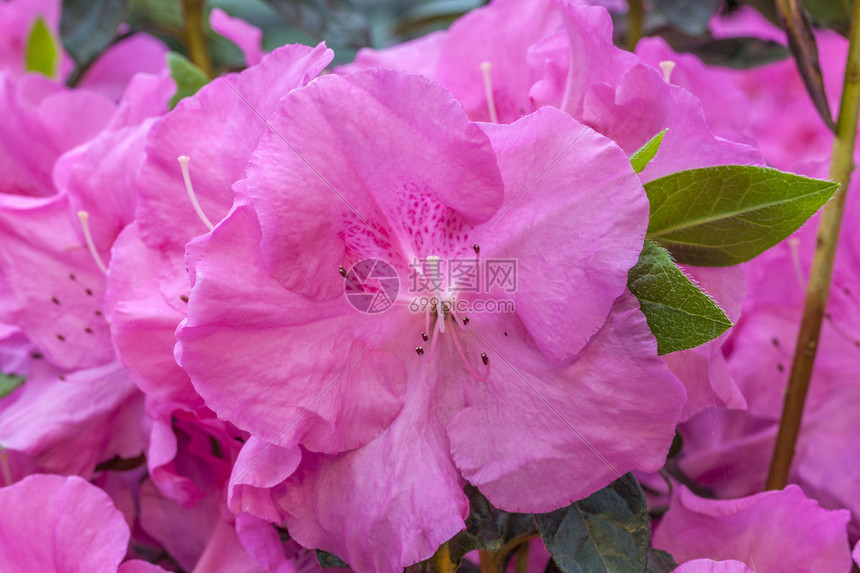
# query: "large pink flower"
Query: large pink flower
560,54
386,165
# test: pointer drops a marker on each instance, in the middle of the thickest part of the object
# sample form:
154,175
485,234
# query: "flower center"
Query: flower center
443,309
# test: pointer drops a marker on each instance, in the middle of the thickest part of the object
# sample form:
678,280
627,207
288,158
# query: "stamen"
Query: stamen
419,350
434,338
488,91
186,176
342,271
461,323
476,248
485,359
88,238
466,362
667,66
424,337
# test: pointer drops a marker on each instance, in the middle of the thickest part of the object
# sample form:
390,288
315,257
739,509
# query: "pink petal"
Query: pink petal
144,307
500,34
402,492
56,285
561,432
248,37
70,425
218,131
574,219
62,524
778,531
703,370
708,566
348,180
239,313
260,467
111,73
418,56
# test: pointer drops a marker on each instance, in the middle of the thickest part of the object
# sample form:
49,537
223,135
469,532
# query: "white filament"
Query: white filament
186,176
488,91
667,66
88,238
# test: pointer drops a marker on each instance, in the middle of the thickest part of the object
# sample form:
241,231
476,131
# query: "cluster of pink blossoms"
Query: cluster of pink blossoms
200,394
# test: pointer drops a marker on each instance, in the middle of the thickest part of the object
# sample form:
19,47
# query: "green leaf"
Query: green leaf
646,153
660,562
722,216
607,532
9,383
42,53
679,314
327,559
188,77
482,530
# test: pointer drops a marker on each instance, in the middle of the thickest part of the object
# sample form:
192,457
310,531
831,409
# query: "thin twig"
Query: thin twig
841,166
194,34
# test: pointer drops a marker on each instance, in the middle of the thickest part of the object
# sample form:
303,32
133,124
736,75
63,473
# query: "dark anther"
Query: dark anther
466,321
506,333
183,298
477,249
419,350
774,341
97,312
37,355
780,367
342,271
55,300
88,330
484,358
73,277
424,337
89,292
61,338
61,377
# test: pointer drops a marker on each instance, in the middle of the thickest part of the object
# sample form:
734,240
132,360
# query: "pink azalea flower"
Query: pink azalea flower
563,56
47,535
772,532
335,379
